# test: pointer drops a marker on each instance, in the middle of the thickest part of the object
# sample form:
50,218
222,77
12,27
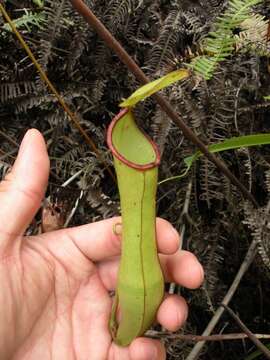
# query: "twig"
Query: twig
65,184
187,199
251,253
252,337
113,44
69,218
196,338
236,107
73,177
73,117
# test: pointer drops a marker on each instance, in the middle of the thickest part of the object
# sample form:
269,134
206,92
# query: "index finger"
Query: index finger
98,241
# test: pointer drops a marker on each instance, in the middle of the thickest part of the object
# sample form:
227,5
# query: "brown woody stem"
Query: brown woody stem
112,43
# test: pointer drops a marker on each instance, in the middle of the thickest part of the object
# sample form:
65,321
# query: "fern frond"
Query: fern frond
102,203
120,15
78,45
253,36
119,11
10,91
163,51
267,180
194,23
258,222
56,15
161,125
188,105
28,20
216,125
246,165
25,103
213,264
220,43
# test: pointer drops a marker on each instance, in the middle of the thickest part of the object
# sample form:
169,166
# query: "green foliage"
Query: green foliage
27,20
154,86
220,43
228,144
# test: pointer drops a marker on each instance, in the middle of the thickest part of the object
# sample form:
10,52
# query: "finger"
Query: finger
98,241
147,349
139,349
173,312
23,188
118,353
182,268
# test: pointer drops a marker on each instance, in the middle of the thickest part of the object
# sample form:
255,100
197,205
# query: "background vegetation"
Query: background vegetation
216,222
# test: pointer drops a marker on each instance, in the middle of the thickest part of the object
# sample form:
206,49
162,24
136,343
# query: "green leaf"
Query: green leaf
154,86
267,97
229,144
220,42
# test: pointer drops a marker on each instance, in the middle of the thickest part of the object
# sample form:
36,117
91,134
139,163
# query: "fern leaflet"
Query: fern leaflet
27,20
220,43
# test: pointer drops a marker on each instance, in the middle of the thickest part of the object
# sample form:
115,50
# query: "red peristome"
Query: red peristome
122,158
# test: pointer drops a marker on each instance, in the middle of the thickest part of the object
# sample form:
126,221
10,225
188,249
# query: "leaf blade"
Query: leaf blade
229,144
154,86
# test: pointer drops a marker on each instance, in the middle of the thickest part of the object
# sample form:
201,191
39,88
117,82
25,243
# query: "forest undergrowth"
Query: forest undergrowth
216,222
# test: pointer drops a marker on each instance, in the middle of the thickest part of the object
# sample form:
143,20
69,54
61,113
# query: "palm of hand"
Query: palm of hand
54,301
62,306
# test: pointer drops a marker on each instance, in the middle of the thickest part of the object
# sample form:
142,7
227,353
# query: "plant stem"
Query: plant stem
196,338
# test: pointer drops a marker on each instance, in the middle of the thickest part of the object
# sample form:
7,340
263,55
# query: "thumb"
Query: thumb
23,188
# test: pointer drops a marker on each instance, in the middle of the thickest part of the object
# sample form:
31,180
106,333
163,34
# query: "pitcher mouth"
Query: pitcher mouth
121,157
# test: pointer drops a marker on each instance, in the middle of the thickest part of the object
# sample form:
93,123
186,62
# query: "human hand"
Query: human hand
54,300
